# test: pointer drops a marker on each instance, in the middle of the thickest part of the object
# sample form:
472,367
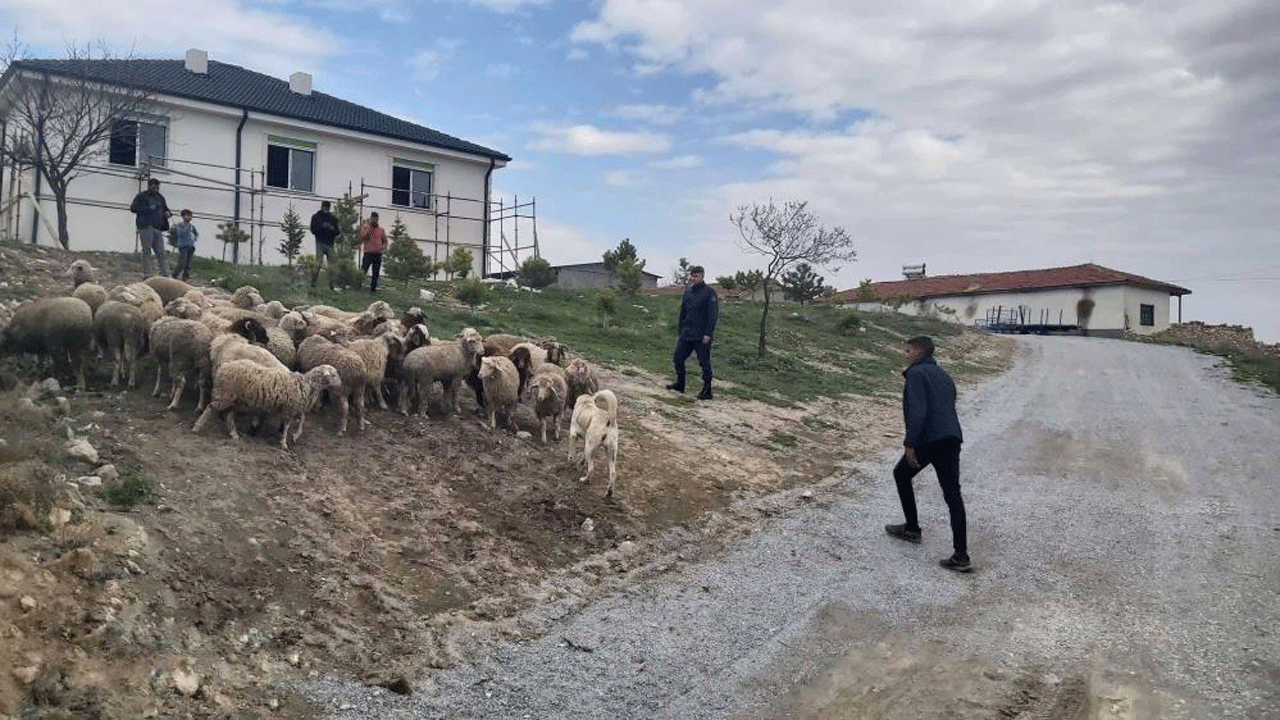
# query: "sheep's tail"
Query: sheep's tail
250,329
607,401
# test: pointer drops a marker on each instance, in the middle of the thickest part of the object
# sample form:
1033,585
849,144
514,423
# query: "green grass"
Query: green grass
813,351
134,487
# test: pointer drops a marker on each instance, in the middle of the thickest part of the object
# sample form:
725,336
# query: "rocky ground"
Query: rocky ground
382,556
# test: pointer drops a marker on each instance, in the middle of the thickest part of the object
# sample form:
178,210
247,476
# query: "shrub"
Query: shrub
849,321
607,304
347,274
471,291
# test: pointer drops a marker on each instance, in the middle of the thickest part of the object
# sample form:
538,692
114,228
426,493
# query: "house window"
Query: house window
136,142
411,183
291,164
1147,315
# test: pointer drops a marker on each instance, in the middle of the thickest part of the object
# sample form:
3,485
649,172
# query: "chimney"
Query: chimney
300,83
198,61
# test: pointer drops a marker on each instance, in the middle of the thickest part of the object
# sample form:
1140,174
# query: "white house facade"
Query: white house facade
1120,302
238,146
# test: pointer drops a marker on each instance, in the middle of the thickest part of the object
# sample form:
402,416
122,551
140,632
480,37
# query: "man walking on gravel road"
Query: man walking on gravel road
933,437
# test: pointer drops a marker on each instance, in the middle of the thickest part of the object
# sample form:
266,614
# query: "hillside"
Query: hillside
212,570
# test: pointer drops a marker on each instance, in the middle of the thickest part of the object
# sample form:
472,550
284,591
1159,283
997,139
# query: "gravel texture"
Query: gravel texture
1124,514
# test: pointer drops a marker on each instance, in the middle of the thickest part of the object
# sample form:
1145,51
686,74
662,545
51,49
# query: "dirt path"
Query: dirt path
1122,503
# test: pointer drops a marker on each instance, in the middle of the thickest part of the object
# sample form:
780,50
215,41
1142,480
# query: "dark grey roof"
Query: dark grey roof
234,86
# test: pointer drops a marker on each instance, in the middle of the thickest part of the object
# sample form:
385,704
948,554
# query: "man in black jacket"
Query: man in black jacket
933,437
324,225
699,311
151,217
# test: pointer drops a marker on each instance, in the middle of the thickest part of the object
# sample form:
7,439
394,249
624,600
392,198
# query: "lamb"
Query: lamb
549,391
142,296
375,353
81,272
582,380
58,328
473,377
120,329
168,288
246,297
244,386
90,292
227,347
326,349
445,363
181,346
501,388
595,420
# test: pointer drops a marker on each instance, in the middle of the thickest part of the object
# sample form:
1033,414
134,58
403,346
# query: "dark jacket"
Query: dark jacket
699,311
929,404
150,210
324,225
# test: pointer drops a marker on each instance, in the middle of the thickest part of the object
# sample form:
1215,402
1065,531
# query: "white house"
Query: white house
234,145
1052,297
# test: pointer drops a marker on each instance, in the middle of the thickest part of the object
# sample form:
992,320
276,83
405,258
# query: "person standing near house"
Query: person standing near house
933,437
185,236
374,240
699,312
324,225
151,216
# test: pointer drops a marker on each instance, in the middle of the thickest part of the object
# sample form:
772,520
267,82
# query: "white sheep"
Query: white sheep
140,295
446,363
229,346
246,297
60,329
272,338
375,353
81,272
273,309
90,292
244,386
169,289
120,329
181,347
501,384
326,349
549,391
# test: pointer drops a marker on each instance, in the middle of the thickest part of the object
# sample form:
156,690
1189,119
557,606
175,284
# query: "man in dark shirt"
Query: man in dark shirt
324,225
699,311
933,437
151,217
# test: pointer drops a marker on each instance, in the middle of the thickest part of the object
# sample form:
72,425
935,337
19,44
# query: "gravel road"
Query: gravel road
1124,513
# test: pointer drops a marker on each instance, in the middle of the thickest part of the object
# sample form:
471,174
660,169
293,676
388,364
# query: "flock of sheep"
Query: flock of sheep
270,362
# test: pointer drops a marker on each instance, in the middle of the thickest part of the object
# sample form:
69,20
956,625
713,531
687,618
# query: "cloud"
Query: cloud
995,136
678,162
270,41
563,244
506,6
425,65
590,140
577,54
500,70
622,178
657,114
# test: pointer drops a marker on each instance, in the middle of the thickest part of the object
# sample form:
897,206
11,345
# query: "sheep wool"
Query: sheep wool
581,379
120,329
324,350
90,292
181,347
549,391
169,289
60,329
446,363
142,296
243,386
501,388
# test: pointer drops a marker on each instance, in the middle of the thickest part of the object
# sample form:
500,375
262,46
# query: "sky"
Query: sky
973,136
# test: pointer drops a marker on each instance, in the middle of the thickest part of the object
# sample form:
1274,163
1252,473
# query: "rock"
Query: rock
27,408
28,603
49,387
108,473
26,675
524,435
89,480
82,450
64,405
274,704
426,295
186,682
59,517
588,525
626,546
295,659
132,567
398,685
806,495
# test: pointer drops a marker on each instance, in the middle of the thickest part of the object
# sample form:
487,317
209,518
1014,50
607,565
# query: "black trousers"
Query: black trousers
372,260
944,456
686,347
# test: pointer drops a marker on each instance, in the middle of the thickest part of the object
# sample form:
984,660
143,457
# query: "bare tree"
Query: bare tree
60,115
788,235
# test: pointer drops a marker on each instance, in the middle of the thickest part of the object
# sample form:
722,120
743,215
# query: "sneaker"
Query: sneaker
958,563
902,533
676,386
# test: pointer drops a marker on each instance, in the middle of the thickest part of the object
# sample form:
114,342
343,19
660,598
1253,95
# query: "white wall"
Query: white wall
206,133
1113,306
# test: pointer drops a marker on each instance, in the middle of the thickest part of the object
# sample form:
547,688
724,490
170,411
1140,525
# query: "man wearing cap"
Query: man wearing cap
151,215
699,311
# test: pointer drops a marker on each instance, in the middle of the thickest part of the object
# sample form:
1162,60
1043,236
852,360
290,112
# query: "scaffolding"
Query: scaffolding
500,245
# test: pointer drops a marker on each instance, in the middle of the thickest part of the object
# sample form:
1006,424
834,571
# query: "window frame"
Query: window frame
138,120
1146,311
413,166
291,145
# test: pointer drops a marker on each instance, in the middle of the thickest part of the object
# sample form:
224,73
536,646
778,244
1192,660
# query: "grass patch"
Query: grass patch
783,439
134,487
